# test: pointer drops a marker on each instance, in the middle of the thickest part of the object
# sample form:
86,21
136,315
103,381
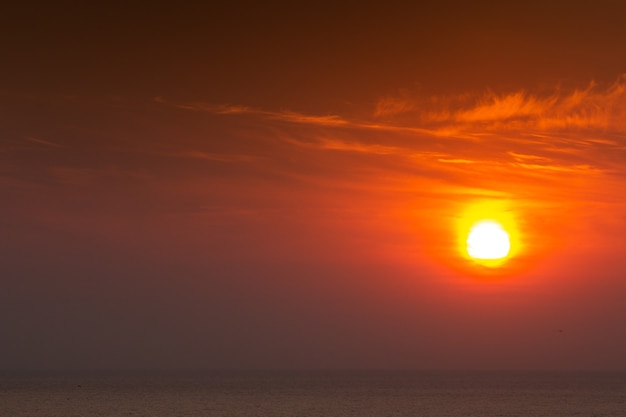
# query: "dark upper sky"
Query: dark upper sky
320,54
270,186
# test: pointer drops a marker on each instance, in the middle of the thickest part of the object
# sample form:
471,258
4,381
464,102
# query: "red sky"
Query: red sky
286,187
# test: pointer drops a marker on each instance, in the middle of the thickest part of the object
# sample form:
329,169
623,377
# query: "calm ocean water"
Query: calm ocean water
320,394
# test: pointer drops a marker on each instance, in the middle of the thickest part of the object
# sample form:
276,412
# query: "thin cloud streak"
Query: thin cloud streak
286,116
43,142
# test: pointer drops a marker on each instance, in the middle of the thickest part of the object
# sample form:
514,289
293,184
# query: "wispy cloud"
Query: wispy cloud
456,161
593,107
286,116
43,142
333,144
393,105
490,141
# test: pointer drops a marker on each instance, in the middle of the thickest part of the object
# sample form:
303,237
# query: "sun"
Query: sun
489,237
487,240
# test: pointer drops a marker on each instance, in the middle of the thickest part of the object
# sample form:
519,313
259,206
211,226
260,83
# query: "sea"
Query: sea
313,394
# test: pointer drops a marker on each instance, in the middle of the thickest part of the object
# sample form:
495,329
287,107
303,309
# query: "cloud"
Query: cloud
391,105
523,157
593,107
333,144
43,142
522,113
495,142
512,106
456,161
285,116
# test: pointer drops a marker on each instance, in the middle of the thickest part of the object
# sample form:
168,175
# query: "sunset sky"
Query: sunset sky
291,187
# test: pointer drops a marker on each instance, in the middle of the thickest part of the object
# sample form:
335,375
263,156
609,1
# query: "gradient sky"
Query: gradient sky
287,187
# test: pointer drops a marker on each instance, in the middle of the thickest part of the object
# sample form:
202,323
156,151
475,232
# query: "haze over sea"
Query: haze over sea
315,393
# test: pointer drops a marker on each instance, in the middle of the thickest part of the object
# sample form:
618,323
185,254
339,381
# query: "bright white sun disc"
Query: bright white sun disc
488,240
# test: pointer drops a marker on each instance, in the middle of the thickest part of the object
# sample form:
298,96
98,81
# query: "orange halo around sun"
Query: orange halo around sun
488,234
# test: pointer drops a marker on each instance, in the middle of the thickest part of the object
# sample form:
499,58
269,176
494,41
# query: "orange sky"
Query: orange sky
287,187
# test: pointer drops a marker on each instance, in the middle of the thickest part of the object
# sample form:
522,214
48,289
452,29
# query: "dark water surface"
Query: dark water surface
308,394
